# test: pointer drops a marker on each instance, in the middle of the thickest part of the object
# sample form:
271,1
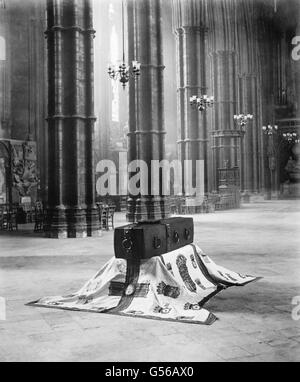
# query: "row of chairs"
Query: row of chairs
178,205
30,210
8,217
35,214
13,214
228,201
39,217
106,215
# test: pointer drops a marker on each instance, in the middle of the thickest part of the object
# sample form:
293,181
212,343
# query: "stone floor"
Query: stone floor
255,321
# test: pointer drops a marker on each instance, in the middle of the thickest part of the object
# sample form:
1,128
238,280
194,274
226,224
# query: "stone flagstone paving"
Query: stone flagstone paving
255,321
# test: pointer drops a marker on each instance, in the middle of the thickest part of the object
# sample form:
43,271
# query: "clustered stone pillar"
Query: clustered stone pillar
250,97
4,75
146,112
189,25
251,145
296,68
246,76
268,54
71,210
226,137
223,62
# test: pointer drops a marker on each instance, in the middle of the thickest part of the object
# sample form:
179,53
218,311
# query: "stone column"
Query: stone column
225,135
223,62
146,115
249,95
249,102
71,211
267,60
189,25
5,80
132,123
295,64
103,93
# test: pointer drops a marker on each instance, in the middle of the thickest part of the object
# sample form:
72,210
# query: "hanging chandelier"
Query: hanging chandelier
201,103
122,71
270,130
291,137
243,119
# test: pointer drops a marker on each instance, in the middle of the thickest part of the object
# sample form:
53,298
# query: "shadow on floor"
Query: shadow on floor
23,230
266,296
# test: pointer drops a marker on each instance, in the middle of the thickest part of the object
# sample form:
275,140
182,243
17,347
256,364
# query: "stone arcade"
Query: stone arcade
62,116
239,52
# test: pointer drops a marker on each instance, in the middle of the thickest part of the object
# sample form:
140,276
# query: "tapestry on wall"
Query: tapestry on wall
24,172
174,286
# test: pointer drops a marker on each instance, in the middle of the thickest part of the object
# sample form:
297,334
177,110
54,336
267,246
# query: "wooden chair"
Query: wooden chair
123,203
107,217
29,211
104,217
173,209
1,218
12,218
184,209
4,216
38,205
110,217
99,208
38,217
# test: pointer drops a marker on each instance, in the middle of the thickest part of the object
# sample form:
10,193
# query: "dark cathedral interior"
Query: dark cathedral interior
92,93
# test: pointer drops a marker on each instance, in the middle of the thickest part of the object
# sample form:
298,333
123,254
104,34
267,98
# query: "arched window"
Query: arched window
2,49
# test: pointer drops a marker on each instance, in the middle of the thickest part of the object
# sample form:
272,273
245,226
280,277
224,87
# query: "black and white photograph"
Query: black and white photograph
149,183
